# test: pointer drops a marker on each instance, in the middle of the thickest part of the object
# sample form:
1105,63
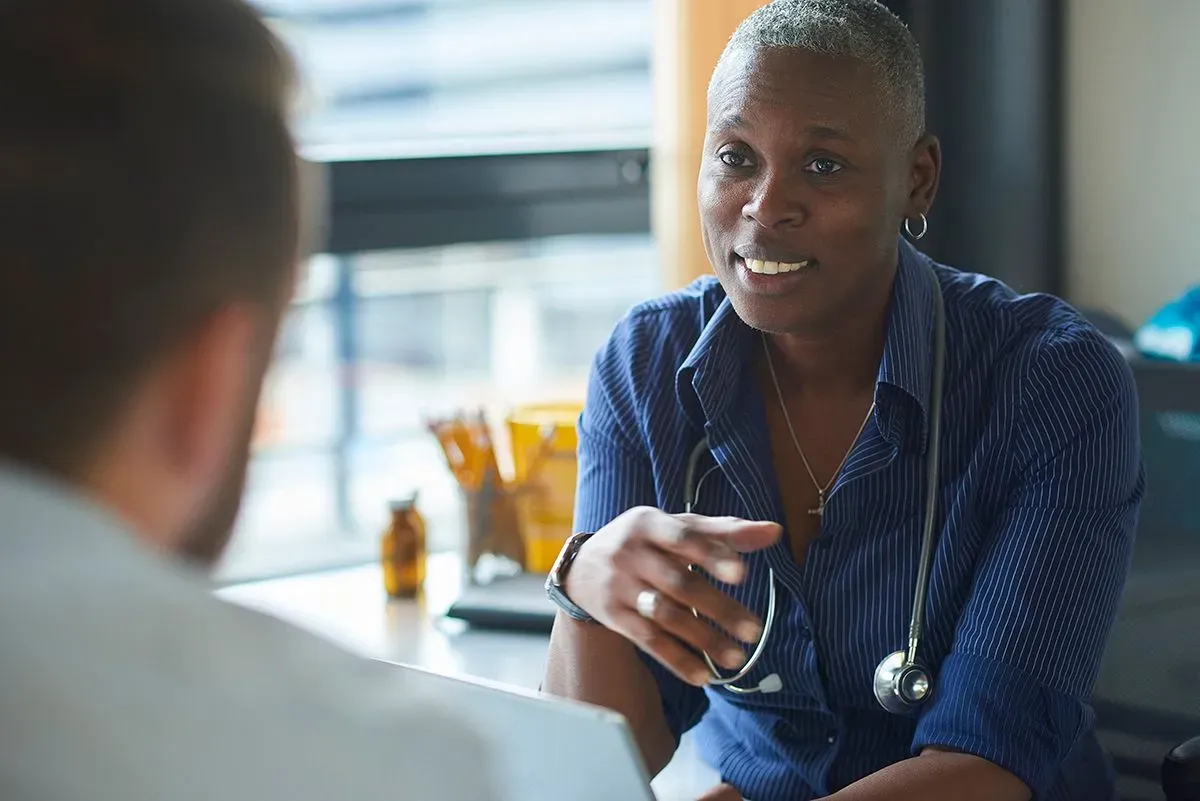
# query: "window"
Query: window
442,76
489,224
381,341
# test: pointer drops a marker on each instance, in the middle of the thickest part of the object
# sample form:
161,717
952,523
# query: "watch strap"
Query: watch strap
557,578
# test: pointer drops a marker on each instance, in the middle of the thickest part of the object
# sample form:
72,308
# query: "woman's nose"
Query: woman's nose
771,205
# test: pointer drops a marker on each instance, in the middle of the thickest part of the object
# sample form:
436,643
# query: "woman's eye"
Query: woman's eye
732,158
824,166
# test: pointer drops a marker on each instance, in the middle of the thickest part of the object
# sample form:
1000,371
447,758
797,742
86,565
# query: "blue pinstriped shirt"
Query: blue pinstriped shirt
1041,483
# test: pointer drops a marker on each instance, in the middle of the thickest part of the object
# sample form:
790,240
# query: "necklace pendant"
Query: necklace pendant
819,511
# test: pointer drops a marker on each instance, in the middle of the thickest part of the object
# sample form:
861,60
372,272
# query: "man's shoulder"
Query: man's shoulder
211,690
117,656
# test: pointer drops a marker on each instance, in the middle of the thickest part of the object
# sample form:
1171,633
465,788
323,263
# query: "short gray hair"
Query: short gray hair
864,30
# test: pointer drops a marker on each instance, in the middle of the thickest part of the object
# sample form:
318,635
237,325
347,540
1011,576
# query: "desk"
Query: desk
350,607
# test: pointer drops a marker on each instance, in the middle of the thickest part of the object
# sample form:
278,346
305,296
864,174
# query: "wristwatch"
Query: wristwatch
557,577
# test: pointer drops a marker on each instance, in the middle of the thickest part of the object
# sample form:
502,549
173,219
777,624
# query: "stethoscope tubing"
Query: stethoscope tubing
929,531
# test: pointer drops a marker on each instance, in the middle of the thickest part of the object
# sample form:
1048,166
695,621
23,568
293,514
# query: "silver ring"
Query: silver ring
646,603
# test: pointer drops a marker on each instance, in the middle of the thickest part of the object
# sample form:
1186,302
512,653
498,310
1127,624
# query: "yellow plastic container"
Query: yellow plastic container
544,471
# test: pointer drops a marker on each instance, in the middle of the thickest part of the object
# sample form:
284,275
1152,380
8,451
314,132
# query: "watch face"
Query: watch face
554,580
564,558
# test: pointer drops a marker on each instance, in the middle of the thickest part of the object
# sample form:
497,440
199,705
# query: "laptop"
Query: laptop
545,748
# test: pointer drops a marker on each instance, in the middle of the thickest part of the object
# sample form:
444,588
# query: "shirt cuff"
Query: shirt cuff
1000,714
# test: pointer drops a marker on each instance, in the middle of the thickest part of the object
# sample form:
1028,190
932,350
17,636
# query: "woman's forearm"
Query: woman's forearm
587,662
937,776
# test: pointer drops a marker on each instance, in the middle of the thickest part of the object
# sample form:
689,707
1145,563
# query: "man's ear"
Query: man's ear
925,171
208,390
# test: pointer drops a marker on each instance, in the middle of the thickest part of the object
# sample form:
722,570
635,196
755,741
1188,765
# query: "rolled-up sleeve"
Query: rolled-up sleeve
616,474
1015,689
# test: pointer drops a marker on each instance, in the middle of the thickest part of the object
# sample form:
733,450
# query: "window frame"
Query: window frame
385,203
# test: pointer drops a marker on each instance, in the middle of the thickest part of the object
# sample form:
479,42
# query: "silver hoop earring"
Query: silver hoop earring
908,227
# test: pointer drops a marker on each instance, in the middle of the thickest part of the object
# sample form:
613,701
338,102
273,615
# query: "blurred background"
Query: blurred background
491,218
507,177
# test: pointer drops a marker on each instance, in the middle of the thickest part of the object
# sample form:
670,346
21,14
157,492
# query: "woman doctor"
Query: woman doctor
801,405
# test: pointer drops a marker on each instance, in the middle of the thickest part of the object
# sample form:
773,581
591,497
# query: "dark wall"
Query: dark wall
994,82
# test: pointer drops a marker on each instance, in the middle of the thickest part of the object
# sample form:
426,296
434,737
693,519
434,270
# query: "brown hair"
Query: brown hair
147,179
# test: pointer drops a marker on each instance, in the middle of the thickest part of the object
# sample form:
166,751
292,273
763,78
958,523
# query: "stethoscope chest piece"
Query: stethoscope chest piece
902,686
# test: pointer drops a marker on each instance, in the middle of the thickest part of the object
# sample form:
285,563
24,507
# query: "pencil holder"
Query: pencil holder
494,545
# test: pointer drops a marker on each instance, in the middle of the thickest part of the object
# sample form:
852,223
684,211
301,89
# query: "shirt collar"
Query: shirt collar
907,362
46,516
717,361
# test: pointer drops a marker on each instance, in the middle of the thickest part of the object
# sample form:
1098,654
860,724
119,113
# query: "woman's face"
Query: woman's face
805,173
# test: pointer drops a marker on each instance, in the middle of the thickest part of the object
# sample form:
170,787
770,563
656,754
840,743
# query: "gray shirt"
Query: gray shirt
122,678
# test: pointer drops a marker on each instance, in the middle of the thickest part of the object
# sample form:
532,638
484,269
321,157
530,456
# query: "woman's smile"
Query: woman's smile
770,277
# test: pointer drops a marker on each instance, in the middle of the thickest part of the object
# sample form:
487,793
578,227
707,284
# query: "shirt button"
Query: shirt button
831,738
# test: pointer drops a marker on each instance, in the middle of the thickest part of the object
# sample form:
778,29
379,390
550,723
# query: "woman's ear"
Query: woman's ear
925,170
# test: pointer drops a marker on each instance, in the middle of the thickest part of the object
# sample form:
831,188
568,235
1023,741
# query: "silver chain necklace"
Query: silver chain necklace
819,509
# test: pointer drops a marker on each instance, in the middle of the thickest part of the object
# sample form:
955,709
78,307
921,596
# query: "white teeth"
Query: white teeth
773,267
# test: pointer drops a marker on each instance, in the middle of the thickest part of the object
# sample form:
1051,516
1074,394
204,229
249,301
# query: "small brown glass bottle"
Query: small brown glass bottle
403,551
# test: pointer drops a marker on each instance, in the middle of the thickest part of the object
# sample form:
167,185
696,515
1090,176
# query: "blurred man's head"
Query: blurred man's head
149,241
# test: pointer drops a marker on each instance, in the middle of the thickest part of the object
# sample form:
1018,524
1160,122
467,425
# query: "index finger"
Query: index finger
714,542
744,536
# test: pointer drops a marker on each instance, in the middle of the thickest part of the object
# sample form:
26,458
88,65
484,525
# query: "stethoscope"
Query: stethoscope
902,683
